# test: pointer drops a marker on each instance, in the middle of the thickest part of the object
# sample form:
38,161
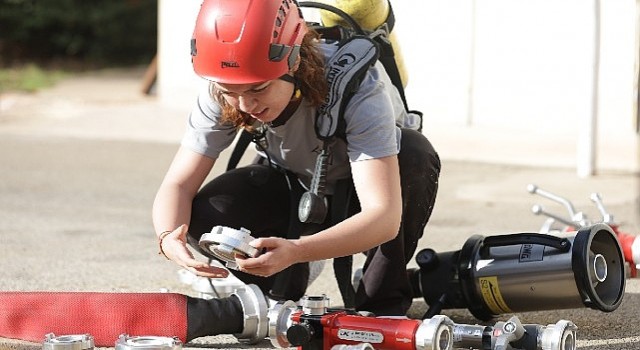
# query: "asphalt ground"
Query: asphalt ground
80,164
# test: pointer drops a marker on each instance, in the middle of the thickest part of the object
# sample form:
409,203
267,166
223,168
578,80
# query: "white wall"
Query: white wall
177,84
498,80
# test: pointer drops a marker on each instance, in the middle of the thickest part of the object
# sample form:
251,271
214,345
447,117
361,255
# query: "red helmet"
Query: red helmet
246,41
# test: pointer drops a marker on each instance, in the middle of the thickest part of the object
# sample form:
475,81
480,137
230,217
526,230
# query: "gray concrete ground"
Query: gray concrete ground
80,164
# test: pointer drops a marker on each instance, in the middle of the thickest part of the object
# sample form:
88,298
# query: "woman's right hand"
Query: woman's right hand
174,247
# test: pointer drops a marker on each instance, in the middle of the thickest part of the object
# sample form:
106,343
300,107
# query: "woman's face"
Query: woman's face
263,101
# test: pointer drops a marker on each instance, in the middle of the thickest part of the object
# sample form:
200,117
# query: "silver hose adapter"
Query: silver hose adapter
68,342
513,335
435,333
225,242
126,342
559,336
255,308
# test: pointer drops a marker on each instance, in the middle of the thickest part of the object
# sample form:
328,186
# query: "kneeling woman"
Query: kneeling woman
266,70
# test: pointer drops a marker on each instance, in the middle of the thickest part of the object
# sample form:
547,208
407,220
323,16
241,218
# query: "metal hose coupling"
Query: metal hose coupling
126,342
68,342
435,333
559,336
255,309
513,335
225,242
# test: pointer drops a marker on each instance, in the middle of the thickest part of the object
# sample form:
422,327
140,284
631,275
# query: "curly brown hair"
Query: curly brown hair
309,77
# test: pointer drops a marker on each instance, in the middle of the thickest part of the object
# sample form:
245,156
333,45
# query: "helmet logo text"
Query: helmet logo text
229,64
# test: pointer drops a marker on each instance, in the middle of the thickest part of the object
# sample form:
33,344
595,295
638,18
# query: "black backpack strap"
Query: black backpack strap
388,60
342,269
241,145
387,54
343,266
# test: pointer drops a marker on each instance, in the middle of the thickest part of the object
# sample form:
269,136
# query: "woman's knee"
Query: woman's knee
417,154
254,197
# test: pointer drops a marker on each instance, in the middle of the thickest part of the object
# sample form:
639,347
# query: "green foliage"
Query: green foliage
95,32
29,78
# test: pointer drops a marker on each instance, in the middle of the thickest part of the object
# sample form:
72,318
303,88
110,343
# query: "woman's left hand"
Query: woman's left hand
277,254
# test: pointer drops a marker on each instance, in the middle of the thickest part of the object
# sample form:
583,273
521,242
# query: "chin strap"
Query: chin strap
288,78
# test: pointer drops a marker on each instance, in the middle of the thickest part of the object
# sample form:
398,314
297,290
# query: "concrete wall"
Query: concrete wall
498,80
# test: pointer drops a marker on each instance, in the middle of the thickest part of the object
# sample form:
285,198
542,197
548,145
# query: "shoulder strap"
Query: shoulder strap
241,145
344,71
380,35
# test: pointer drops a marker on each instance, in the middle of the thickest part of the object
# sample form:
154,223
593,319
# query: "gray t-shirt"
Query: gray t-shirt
372,118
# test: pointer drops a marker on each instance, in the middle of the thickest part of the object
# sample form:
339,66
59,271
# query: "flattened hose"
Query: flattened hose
30,315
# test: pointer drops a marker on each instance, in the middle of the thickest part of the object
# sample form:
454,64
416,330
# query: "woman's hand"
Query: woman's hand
277,254
174,247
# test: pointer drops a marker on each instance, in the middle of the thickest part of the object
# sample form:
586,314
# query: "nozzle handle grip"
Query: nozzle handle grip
562,244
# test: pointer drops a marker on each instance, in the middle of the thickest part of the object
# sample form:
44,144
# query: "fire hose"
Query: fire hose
314,326
107,316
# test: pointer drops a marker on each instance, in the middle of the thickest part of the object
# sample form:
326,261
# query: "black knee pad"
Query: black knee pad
417,154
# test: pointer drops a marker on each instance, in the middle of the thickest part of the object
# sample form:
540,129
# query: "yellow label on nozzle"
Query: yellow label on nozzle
492,296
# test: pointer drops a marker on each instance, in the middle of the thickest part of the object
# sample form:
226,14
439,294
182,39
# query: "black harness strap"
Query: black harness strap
241,145
343,266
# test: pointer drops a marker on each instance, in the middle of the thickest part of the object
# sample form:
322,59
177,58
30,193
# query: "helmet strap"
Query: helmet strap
291,107
288,78
295,95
